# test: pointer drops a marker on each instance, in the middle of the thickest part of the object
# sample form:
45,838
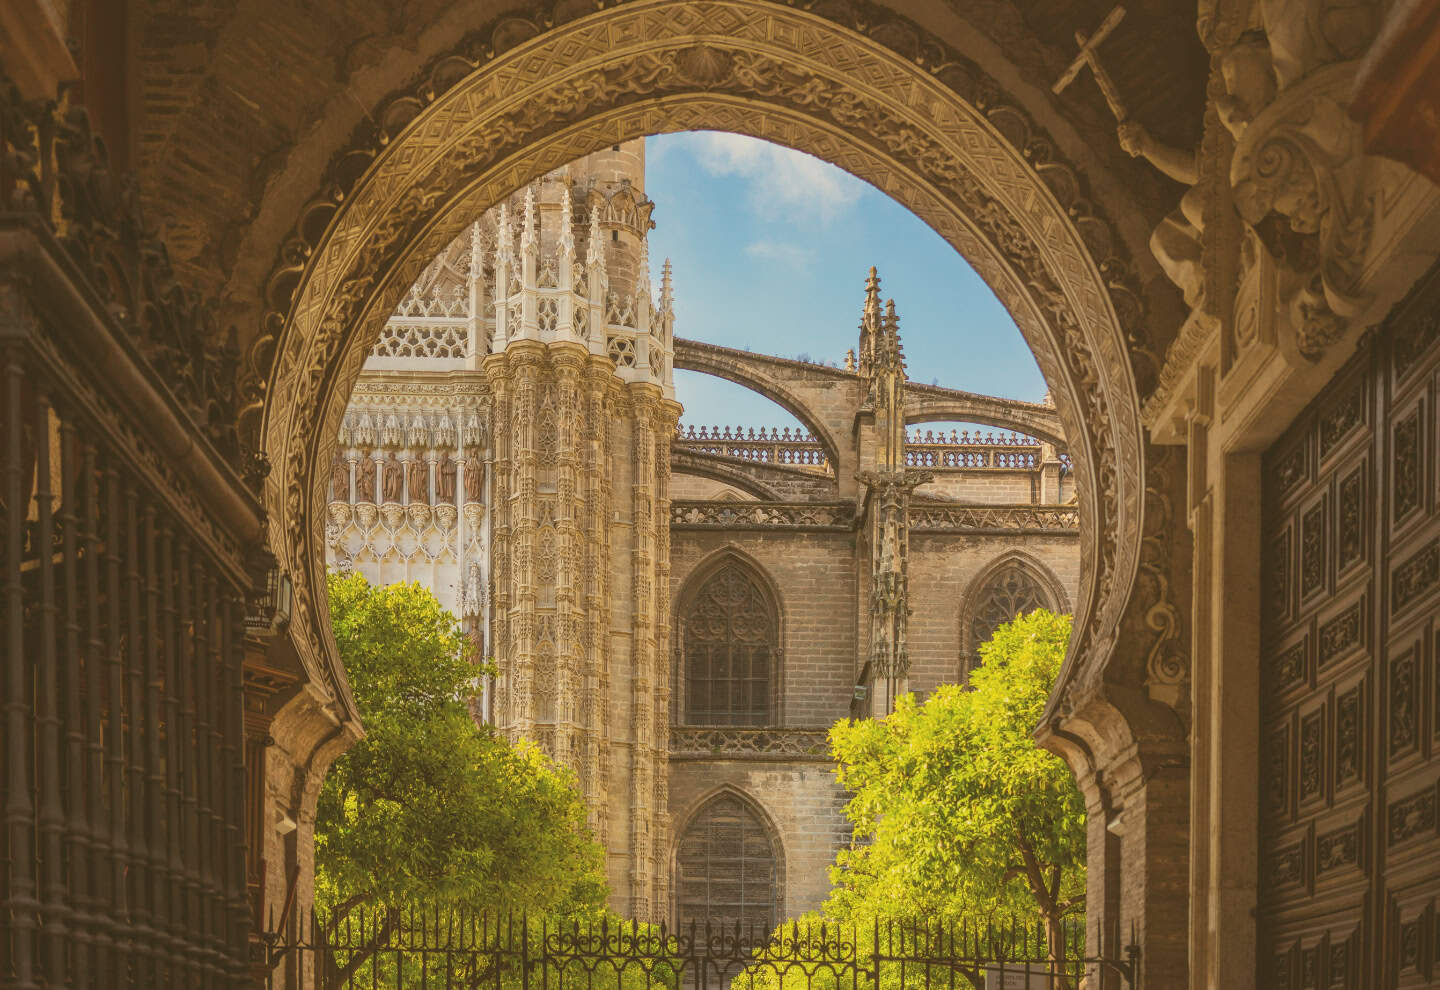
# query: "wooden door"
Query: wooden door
1349,776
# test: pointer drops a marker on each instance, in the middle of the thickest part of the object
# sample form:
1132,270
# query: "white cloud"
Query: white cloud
791,255
782,182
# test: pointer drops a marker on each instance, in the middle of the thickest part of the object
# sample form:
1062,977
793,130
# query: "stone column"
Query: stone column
653,425
1123,725
667,418
580,610
1049,475
1227,693
378,456
352,458
599,380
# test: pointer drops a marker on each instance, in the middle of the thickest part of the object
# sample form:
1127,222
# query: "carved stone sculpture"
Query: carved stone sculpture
340,480
445,481
365,480
419,482
1305,35
1297,177
392,484
1249,87
474,478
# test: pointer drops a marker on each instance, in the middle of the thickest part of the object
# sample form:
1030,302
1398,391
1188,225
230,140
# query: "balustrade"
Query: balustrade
961,450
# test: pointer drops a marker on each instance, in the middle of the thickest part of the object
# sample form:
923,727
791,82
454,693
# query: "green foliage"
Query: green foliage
431,811
957,813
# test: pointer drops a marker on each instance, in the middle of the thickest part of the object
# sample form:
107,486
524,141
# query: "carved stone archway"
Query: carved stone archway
882,101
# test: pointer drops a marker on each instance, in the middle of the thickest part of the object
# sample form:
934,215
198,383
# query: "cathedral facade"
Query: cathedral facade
678,614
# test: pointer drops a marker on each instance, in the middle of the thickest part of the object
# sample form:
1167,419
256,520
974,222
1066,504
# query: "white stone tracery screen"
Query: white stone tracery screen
730,639
725,869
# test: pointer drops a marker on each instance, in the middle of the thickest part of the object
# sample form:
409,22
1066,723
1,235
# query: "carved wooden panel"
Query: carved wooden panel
1350,665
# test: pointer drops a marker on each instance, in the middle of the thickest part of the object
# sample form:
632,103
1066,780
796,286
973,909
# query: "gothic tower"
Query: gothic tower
582,413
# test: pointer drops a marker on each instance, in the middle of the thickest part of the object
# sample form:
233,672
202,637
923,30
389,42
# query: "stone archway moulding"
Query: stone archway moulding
885,103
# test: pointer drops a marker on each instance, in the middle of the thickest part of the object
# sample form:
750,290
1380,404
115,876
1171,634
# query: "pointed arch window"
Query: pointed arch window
727,871
1012,590
729,651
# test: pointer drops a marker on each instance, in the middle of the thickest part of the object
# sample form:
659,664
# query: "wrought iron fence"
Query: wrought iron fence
369,950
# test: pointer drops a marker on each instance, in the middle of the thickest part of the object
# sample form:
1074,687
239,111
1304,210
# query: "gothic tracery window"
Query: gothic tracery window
727,871
1012,591
729,651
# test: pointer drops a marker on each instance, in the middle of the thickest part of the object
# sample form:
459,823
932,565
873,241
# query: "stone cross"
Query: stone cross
1088,56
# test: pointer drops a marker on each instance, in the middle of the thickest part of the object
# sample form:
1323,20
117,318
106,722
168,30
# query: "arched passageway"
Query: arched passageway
299,202
980,173
938,154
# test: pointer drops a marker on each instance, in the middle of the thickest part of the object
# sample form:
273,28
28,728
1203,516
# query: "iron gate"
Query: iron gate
370,950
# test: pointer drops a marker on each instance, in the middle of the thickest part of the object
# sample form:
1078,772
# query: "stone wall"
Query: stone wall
821,581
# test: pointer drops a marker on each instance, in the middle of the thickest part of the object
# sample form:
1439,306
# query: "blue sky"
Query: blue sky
770,248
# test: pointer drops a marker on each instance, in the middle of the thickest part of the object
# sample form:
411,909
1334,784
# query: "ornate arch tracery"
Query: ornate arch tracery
728,630
1010,586
879,99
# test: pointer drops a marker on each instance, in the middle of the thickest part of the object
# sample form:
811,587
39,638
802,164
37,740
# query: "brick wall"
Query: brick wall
822,605
986,487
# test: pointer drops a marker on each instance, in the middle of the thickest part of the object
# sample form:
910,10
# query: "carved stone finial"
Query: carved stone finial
667,289
870,323
528,239
502,236
642,272
595,251
567,235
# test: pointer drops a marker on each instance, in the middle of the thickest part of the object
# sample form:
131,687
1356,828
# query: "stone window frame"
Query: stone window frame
977,594
698,578
772,832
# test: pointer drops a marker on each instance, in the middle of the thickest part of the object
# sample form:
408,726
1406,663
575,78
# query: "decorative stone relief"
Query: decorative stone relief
1076,325
1300,160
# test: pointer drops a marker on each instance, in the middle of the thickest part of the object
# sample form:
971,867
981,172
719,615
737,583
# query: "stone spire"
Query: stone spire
869,324
567,234
595,249
667,291
891,483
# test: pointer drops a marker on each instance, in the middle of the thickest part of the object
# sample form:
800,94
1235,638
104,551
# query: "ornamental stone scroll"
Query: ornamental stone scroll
1300,180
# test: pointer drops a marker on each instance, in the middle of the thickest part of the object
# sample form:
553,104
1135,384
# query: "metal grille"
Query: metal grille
726,869
122,860
380,948
729,651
